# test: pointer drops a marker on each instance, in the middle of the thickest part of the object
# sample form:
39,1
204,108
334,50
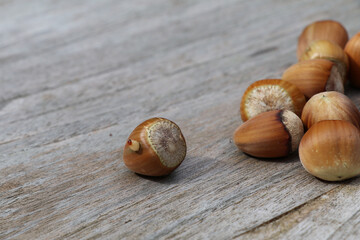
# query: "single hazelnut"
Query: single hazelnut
330,106
314,76
155,148
271,94
270,134
330,150
322,30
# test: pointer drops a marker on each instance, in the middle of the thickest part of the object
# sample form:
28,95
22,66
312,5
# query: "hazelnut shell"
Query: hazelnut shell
322,49
352,49
330,106
330,150
148,160
314,76
322,30
270,134
271,94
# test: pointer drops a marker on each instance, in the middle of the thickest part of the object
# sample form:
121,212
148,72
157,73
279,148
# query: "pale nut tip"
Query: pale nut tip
295,128
134,145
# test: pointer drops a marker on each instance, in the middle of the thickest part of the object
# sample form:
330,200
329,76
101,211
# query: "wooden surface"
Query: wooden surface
77,76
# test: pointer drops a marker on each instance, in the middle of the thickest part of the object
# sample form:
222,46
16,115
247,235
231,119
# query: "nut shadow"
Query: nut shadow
293,157
352,92
355,181
171,178
191,168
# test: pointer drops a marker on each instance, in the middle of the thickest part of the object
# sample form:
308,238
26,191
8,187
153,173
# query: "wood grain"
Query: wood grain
77,76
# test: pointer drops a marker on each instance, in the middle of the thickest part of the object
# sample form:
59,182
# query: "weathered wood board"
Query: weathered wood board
77,76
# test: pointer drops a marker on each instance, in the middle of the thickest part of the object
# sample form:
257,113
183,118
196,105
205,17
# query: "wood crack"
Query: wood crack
353,216
277,218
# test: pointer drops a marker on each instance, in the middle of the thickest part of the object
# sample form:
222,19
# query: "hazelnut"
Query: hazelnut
330,106
270,134
314,76
322,30
330,150
155,148
352,49
271,94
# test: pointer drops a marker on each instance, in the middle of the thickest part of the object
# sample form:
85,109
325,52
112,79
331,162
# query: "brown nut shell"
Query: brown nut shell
322,30
352,49
159,148
270,134
330,106
330,150
271,94
323,49
314,76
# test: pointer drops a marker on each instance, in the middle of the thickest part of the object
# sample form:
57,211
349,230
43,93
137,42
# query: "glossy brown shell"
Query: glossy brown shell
352,49
330,106
311,76
330,150
322,30
266,135
146,161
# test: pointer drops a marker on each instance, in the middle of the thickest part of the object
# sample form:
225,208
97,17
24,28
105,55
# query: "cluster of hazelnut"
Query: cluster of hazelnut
310,95
275,111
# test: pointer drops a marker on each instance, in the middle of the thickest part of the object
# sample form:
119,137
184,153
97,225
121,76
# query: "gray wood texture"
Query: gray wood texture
77,76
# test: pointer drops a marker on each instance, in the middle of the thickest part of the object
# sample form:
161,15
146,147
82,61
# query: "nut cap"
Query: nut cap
271,94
